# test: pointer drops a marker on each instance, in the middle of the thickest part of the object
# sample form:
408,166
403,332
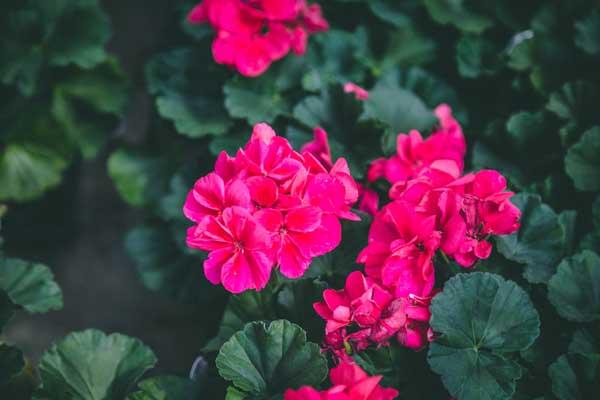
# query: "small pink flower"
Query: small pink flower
359,93
368,201
239,250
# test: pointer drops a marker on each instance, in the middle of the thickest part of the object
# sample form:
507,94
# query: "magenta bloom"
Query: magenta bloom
267,207
319,147
253,34
349,382
359,93
240,250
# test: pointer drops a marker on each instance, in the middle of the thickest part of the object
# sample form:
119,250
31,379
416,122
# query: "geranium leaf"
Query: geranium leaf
575,376
539,241
255,100
267,359
30,285
480,317
187,85
165,388
140,178
587,33
7,308
37,33
582,162
88,105
294,303
11,362
575,288
91,365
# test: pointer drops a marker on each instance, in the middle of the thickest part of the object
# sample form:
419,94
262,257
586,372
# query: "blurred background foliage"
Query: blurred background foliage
110,110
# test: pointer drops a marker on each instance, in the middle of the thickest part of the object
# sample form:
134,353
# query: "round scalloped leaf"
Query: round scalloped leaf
575,376
480,317
11,362
58,32
188,89
29,169
539,241
164,388
91,365
255,100
30,285
575,101
477,56
88,105
266,359
575,288
587,33
582,161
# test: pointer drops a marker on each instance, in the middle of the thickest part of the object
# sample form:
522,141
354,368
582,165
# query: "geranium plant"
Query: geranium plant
376,199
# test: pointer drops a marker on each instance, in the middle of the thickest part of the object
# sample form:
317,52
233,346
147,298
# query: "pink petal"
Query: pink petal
263,190
303,219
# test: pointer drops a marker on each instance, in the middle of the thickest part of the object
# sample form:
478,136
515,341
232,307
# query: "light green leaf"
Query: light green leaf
267,359
139,178
481,317
30,285
575,376
575,288
91,365
582,161
539,241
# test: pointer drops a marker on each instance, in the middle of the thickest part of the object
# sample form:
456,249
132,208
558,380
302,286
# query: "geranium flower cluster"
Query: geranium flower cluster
434,209
268,206
251,34
349,382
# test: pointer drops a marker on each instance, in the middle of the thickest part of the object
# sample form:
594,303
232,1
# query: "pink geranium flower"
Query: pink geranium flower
240,250
349,382
267,207
253,34
319,147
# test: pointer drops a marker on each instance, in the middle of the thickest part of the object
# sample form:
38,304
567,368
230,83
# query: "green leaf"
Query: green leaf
165,388
59,33
187,84
28,169
243,308
585,341
455,12
587,33
575,288
481,317
539,241
389,12
295,303
396,107
526,129
140,178
255,100
477,56
163,267
575,376
90,365
575,103
11,362
266,359
582,162
30,285
88,105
